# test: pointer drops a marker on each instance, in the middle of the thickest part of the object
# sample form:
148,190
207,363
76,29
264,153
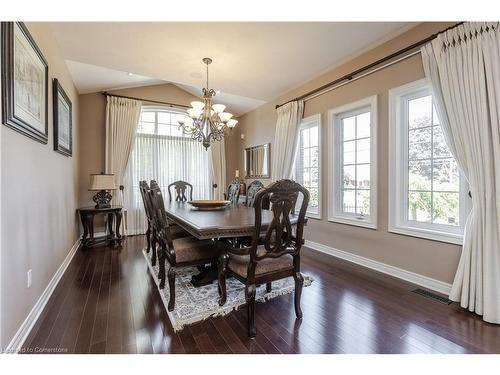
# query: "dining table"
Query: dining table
230,222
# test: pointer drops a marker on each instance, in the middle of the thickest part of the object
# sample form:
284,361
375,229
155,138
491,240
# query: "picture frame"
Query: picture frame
62,118
24,75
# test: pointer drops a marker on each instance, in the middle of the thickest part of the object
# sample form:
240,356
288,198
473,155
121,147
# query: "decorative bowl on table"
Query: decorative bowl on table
209,204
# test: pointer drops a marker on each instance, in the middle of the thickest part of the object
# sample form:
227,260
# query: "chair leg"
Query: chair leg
268,287
299,282
171,285
148,238
162,261
250,299
153,247
222,272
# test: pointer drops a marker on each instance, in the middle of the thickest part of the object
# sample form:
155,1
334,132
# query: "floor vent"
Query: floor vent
433,296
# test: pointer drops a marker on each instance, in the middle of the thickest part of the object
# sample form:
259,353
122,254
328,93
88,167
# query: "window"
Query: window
163,153
428,194
308,162
353,163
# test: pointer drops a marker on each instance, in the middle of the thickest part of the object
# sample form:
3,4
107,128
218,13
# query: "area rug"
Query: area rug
193,304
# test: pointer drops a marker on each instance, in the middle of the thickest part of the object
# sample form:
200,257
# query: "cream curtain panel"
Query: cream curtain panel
286,138
122,117
165,159
218,167
463,68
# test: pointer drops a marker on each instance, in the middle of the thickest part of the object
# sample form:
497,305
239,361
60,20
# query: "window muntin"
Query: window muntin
353,163
308,162
427,194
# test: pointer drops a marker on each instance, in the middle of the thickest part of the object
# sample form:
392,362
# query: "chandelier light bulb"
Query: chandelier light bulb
219,108
225,116
194,113
232,123
198,105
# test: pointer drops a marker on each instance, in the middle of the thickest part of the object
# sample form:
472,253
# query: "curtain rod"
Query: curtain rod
368,69
174,105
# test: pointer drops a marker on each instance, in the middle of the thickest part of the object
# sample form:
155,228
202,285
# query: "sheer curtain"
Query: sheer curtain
285,139
164,158
463,68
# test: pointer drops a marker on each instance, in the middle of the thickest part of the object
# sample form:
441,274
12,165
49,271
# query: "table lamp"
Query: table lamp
102,183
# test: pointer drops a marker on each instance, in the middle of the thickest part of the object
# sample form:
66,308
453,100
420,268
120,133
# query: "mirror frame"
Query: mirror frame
264,145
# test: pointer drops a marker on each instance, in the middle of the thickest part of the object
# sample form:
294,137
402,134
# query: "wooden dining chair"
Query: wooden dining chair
151,237
233,192
252,190
180,188
274,258
178,252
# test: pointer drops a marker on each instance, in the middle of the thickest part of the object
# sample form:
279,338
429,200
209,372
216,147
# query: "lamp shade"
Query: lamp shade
102,182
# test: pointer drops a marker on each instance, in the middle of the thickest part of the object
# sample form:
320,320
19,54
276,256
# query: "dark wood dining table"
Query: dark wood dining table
234,221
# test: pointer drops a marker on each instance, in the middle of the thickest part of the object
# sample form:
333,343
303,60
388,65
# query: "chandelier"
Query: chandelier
205,121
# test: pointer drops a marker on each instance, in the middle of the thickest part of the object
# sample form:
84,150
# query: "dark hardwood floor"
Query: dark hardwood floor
108,303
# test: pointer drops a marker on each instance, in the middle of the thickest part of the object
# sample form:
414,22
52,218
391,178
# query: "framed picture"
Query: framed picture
62,114
24,83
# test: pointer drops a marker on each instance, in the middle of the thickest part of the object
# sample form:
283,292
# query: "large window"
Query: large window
428,196
163,153
308,162
353,163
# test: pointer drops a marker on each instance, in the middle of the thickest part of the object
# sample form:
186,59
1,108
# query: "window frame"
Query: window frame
335,116
306,123
398,176
156,109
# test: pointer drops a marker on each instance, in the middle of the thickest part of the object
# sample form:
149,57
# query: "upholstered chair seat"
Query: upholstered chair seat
239,264
190,249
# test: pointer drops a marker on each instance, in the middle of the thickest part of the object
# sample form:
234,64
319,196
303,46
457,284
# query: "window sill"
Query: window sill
313,216
456,239
353,221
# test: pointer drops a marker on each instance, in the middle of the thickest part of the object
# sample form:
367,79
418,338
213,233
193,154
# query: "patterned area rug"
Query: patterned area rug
195,304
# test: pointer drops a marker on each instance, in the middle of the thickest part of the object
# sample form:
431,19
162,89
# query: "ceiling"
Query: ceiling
252,62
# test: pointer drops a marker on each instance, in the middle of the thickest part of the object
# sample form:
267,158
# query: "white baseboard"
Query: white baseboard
412,277
22,333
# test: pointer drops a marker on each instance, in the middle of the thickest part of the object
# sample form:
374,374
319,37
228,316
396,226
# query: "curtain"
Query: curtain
218,168
463,68
165,159
122,117
285,139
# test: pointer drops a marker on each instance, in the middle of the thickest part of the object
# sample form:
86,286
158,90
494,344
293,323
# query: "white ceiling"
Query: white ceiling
253,62
91,78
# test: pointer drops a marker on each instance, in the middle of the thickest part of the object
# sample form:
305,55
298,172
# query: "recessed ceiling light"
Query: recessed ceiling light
130,74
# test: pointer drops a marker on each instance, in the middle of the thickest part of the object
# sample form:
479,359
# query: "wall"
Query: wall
430,258
93,121
39,194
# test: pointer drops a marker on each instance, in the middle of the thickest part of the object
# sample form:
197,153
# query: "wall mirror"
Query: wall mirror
257,161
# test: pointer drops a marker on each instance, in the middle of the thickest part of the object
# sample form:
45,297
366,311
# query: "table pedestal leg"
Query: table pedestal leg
207,275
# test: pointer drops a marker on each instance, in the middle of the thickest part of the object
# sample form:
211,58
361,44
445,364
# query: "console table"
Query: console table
112,236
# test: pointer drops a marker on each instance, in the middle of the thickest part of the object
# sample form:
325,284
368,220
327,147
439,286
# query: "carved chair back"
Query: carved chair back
160,221
144,189
180,188
279,238
233,191
252,190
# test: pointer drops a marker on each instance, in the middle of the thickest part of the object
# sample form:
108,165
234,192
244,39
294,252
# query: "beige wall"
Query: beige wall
39,189
93,123
430,258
